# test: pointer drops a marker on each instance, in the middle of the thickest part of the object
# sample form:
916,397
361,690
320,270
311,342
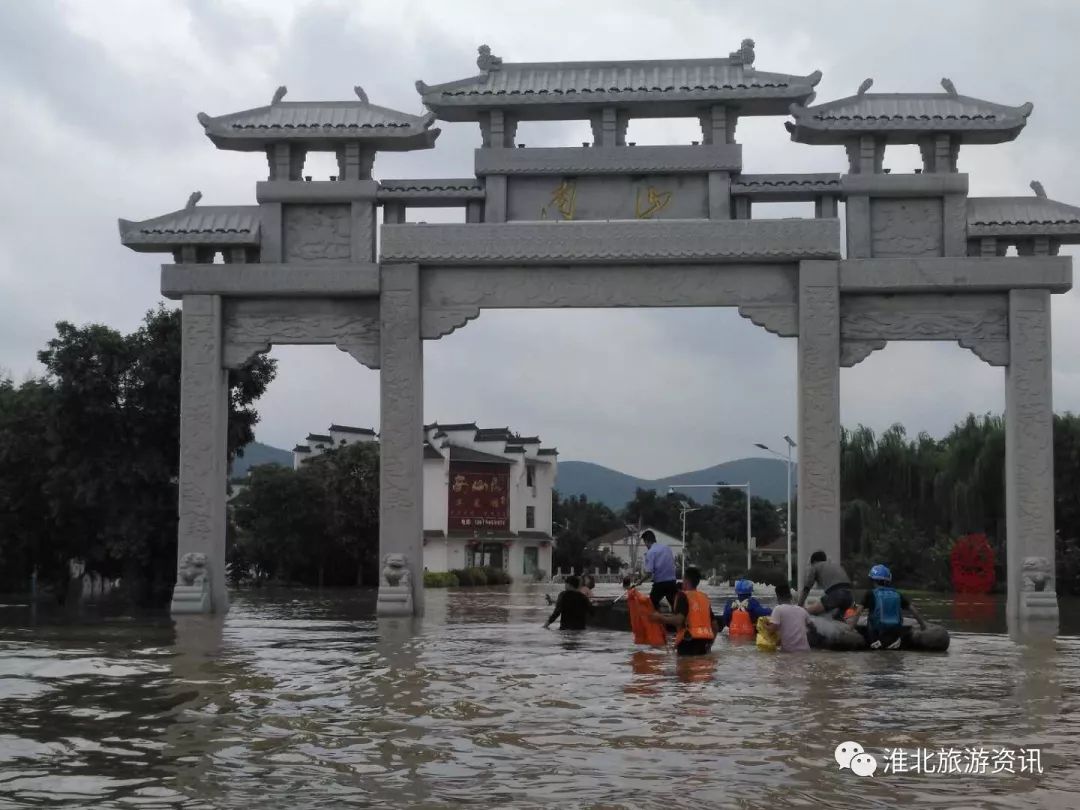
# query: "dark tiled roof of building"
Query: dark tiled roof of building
349,429
456,426
225,225
534,535
431,452
903,117
320,123
526,440
300,448
511,448
675,86
475,456
547,451
318,437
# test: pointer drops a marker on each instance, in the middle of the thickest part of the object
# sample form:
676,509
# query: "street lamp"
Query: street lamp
746,486
685,510
790,444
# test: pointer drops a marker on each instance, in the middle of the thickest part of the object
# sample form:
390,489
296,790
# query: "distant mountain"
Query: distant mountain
767,477
258,453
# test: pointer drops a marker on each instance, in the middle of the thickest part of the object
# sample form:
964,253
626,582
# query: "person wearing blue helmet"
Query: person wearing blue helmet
885,606
741,613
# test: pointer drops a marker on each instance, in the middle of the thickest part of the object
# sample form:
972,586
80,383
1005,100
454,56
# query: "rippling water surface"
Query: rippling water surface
304,700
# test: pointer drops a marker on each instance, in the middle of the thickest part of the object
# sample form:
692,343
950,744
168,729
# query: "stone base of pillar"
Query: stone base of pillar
1036,606
395,588
191,599
191,593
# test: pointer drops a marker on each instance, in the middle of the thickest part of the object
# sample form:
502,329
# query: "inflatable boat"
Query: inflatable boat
829,634
824,633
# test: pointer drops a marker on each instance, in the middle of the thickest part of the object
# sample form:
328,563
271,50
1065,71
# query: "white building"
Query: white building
487,495
625,543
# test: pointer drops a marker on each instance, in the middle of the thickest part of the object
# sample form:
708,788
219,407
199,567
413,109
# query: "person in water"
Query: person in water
886,606
588,582
741,613
834,580
789,622
660,568
572,608
693,617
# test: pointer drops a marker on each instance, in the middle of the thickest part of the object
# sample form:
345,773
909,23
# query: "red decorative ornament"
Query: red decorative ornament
972,561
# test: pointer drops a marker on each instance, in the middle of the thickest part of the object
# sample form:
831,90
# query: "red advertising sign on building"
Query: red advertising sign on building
478,497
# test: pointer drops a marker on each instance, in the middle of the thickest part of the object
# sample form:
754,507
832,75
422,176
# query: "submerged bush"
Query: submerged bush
440,579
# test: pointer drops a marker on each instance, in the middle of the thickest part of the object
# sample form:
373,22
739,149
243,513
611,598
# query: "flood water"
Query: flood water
301,699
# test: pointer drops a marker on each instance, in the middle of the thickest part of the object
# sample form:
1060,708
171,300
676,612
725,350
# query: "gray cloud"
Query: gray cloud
104,131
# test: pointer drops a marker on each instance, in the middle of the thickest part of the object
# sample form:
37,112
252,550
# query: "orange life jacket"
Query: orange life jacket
740,624
699,621
646,629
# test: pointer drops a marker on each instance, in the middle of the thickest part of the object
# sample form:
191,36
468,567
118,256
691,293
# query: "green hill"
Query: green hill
258,453
615,489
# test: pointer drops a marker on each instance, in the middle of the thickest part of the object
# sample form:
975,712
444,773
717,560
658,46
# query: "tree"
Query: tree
110,417
318,525
578,522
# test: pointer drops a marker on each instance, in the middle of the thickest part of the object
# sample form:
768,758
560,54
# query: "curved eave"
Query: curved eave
1066,232
155,235
325,138
902,132
662,103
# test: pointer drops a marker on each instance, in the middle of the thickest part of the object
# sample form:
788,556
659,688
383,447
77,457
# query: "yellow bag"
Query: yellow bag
767,639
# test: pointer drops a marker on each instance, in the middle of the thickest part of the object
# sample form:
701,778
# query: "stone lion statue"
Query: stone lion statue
395,572
192,569
1036,572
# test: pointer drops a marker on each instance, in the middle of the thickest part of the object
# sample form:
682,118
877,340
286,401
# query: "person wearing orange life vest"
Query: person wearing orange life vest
693,617
741,613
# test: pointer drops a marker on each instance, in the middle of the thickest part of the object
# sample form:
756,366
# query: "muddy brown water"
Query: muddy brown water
302,699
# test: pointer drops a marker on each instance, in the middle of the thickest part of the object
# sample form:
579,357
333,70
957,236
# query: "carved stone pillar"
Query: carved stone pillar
204,412
819,411
401,382
1029,459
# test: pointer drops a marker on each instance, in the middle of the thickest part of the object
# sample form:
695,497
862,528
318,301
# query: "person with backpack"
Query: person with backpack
885,606
741,613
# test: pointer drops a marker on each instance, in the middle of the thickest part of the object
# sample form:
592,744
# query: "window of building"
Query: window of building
530,475
530,517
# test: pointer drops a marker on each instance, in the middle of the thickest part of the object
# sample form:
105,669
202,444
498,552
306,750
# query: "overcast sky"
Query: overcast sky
100,100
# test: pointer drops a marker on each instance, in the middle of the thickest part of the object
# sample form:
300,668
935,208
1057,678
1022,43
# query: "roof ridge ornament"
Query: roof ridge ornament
1037,187
950,88
487,61
192,200
866,85
279,94
745,54
360,94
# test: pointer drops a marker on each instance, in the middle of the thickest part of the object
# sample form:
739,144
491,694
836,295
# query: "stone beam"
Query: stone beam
613,242
903,185
956,274
610,160
517,287
270,280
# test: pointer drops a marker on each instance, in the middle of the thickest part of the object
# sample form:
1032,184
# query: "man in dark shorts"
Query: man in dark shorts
572,608
834,580
660,568
693,616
